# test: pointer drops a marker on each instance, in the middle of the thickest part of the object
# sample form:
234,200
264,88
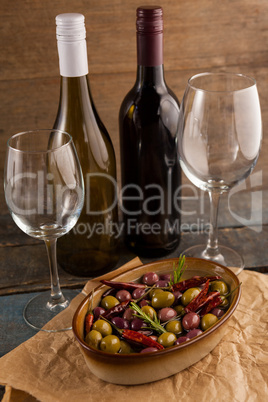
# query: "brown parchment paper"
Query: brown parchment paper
50,366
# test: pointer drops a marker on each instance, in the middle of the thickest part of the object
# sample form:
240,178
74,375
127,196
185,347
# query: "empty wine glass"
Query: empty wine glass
44,192
219,138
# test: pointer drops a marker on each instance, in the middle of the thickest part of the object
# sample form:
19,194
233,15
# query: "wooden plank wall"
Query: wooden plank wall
199,35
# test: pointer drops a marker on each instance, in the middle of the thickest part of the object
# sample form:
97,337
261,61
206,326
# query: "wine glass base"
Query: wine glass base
39,311
227,257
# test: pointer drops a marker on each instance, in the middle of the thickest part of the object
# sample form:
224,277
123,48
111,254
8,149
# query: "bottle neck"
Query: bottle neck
75,88
73,58
150,49
147,76
150,58
70,85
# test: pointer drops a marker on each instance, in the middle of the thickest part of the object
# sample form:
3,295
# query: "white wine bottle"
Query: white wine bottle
150,169
91,247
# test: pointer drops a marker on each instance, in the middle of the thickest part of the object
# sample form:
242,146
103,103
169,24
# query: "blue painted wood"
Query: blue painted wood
13,329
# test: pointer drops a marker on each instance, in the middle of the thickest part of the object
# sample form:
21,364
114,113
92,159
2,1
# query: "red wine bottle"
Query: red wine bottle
150,169
90,248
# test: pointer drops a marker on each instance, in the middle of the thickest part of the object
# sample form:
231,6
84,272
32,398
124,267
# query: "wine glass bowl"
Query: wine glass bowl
219,138
44,192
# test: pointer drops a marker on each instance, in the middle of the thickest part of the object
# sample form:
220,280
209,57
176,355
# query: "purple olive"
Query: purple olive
166,313
194,332
144,303
177,295
161,284
98,311
136,324
150,278
166,277
217,312
138,293
128,314
148,350
123,295
190,321
120,322
181,339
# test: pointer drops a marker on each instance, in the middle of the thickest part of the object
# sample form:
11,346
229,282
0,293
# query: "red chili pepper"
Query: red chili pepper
140,338
214,301
124,285
89,316
88,322
119,308
199,300
193,282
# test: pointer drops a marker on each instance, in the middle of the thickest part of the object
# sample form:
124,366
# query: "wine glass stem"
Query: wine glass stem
56,296
212,244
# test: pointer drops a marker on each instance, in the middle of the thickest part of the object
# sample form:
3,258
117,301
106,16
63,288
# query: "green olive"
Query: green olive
180,310
207,321
150,311
225,302
103,327
110,344
154,292
189,295
167,339
125,348
109,302
174,326
93,338
219,286
163,299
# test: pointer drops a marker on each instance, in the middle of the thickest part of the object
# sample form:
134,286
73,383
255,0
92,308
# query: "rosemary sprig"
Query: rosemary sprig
154,324
177,272
232,291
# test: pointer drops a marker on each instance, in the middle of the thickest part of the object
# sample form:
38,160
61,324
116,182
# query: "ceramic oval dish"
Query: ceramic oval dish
141,368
